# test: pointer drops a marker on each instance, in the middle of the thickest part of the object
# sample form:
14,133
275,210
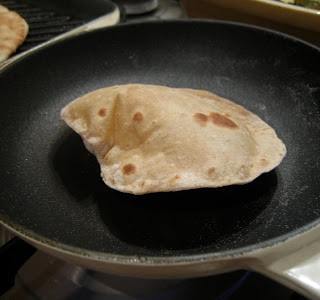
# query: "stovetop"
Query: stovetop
45,277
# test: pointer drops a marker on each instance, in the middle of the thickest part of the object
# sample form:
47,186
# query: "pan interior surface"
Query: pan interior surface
51,185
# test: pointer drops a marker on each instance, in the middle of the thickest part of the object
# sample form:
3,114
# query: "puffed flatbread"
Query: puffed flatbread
13,32
150,138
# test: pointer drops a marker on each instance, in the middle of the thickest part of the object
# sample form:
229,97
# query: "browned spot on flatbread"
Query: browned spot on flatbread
263,161
200,118
102,112
128,169
211,170
174,179
222,121
138,116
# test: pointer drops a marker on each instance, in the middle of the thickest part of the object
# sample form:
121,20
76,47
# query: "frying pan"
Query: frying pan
52,195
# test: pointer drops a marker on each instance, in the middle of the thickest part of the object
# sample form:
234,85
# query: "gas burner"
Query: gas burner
165,9
137,7
45,277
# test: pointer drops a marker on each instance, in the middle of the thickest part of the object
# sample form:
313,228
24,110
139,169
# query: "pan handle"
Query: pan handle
100,22
298,270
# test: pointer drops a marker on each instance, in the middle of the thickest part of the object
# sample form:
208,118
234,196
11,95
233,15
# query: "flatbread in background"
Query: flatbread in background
13,32
3,9
150,138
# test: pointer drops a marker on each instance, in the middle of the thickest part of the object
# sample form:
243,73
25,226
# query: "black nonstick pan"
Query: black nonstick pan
51,192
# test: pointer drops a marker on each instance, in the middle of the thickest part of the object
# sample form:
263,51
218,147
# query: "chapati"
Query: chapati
150,138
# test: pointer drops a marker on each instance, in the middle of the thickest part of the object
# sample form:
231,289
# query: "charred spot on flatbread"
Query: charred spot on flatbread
138,117
221,120
128,169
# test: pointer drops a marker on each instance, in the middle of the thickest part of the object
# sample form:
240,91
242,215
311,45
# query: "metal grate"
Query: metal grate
43,24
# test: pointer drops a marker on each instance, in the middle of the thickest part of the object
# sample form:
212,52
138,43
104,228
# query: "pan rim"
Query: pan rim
133,260
40,47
